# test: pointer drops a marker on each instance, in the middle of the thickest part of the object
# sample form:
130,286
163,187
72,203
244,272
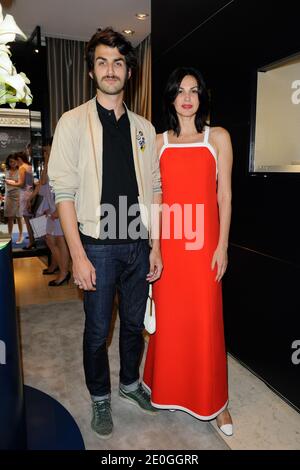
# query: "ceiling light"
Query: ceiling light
141,16
36,51
130,32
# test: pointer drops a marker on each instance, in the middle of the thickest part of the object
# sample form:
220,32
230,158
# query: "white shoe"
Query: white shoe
227,429
19,242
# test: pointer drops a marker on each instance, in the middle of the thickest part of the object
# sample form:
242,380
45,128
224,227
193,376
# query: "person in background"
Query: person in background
186,359
12,198
28,152
25,184
60,259
102,156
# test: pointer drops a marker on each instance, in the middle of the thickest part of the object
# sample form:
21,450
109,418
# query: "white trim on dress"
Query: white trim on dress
182,408
205,143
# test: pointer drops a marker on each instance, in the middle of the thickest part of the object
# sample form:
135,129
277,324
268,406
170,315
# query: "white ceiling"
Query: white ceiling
79,19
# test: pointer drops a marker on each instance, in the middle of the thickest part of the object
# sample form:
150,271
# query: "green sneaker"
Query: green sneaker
140,398
102,422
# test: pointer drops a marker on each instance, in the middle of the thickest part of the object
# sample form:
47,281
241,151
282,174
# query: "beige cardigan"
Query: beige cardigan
75,165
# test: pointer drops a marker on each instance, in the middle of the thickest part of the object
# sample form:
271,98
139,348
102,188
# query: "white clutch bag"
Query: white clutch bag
149,320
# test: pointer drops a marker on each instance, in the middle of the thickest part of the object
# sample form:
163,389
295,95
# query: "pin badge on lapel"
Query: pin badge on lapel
141,140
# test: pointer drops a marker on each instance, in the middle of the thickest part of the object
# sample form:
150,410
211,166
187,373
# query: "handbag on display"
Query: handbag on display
149,319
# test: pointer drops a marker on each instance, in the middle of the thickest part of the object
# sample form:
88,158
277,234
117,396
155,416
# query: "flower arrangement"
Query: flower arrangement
13,86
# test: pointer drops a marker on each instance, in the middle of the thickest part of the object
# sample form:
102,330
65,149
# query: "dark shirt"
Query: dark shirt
118,179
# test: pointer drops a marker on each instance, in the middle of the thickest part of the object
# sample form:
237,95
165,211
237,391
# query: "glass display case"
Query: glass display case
275,135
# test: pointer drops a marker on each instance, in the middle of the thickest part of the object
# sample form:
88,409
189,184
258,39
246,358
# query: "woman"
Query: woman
55,239
25,183
12,198
186,360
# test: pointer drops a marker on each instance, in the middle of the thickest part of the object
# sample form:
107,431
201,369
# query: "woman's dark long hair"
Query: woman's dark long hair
7,163
21,155
171,92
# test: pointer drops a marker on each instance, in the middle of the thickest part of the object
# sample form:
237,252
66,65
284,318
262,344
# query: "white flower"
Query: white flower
8,28
13,85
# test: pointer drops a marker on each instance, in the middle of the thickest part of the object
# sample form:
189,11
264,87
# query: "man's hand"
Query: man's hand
156,265
84,274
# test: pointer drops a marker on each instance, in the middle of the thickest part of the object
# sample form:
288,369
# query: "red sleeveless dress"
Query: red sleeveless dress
186,366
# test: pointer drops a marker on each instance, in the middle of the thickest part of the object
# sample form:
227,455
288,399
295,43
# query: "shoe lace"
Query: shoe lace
142,392
102,409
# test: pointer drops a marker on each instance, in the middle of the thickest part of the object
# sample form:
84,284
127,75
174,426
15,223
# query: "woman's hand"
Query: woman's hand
10,182
221,258
156,265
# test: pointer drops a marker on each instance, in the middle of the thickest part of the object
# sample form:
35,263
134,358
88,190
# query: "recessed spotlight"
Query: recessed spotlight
141,16
129,32
36,51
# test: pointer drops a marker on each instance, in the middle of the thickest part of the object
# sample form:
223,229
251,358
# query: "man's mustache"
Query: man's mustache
110,77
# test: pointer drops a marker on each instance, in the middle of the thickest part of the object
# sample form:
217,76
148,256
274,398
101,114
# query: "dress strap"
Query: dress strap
206,134
165,136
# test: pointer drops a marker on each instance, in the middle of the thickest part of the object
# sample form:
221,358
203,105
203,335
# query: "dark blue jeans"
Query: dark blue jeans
121,267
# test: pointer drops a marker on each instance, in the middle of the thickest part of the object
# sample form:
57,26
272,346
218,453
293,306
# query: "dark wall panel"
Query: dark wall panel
178,19
34,65
262,317
228,49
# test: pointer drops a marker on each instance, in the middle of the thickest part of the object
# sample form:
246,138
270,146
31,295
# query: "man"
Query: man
103,154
